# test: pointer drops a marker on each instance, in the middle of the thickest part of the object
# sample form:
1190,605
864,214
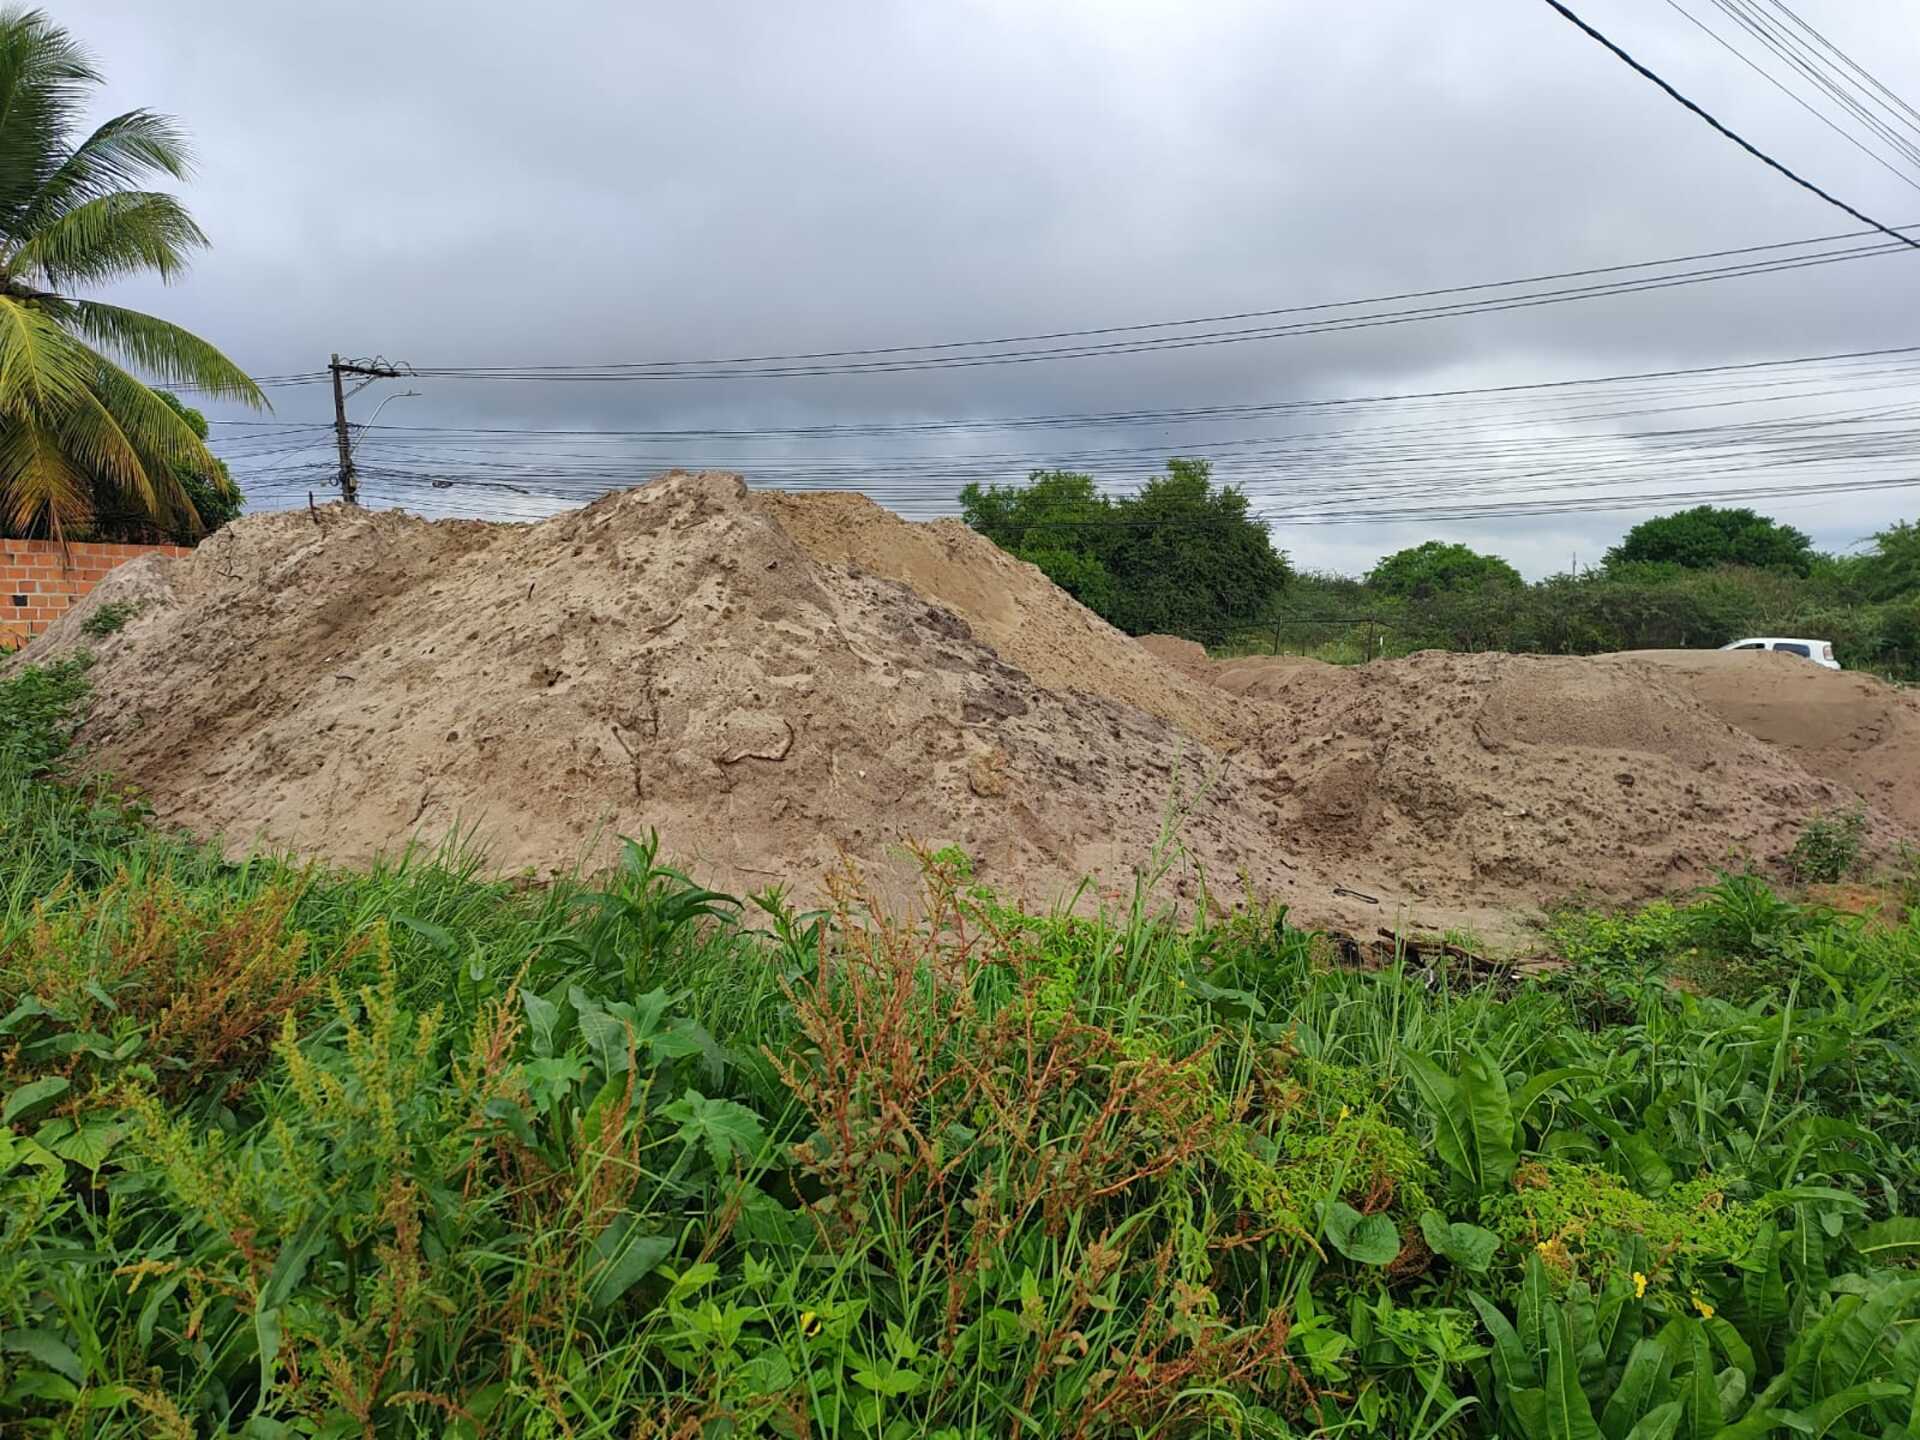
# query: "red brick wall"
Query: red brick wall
40,579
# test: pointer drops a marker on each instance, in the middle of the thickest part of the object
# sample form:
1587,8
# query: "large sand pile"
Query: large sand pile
1849,727
666,657
772,681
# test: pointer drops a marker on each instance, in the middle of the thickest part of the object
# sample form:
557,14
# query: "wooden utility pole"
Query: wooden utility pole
378,370
349,490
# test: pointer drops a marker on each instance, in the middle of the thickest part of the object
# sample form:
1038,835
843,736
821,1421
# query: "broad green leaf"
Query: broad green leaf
1818,1420
767,1373
1536,1087
1513,1367
1658,1423
542,1016
1642,1386
1530,1406
513,1119
621,1258
47,1348
1729,1343
1733,1389
26,1010
1856,1339
40,1385
1569,1415
607,1036
1761,1285
725,1127
1453,1136
433,934
1369,1239
1635,1155
1807,1246
886,1379
1889,1241
551,1078
1704,1416
266,1336
92,1143
290,1265
1483,1089
33,1097
1468,1246
1533,1310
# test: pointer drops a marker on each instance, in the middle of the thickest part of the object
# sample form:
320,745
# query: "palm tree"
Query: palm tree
80,436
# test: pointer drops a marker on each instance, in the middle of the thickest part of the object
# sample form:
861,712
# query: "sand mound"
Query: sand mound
774,680
1008,603
667,657
1520,776
1849,727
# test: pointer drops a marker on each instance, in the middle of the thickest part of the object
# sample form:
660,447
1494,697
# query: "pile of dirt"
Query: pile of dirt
774,681
668,657
1852,728
1535,775
1010,604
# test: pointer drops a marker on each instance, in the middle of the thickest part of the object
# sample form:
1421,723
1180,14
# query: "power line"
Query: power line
1811,67
1751,149
1115,418
1786,90
1911,117
928,355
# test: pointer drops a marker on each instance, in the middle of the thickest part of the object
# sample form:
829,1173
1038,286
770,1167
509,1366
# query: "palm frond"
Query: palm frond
108,237
41,490
121,153
43,369
170,354
44,80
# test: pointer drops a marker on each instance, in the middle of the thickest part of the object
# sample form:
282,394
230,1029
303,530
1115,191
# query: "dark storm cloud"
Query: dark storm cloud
482,184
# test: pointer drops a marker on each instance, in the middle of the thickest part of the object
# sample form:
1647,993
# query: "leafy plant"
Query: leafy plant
1827,848
109,618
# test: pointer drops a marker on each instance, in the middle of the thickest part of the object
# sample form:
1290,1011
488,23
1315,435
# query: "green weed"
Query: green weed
1827,850
109,618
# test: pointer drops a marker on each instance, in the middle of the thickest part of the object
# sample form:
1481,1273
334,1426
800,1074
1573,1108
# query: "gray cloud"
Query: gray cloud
482,184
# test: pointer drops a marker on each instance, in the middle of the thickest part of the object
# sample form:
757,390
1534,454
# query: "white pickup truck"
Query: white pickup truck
1818,651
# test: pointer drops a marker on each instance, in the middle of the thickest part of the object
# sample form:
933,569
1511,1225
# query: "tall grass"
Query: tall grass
406,1150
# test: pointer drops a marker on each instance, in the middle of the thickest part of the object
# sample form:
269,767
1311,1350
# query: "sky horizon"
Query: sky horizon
448,187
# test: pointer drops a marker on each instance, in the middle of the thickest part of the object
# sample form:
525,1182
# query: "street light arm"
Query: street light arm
367,424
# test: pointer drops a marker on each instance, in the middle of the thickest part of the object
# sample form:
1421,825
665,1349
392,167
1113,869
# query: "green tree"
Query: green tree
1437,568
79,435
1057,520
1182,557
1711,535
1892,569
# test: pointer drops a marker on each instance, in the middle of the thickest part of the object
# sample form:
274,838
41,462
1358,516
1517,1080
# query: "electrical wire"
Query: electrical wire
1780,85
1745,145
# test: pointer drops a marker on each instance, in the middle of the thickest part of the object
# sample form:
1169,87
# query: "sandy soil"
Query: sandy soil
1852,728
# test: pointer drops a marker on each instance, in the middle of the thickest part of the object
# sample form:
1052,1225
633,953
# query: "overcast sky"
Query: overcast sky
479,184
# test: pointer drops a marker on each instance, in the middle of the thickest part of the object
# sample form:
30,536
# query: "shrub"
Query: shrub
1827,850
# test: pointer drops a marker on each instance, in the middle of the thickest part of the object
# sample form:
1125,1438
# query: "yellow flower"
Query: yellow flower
1706,1310
1345,1111
809,1323
1639,1286
1542,1246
